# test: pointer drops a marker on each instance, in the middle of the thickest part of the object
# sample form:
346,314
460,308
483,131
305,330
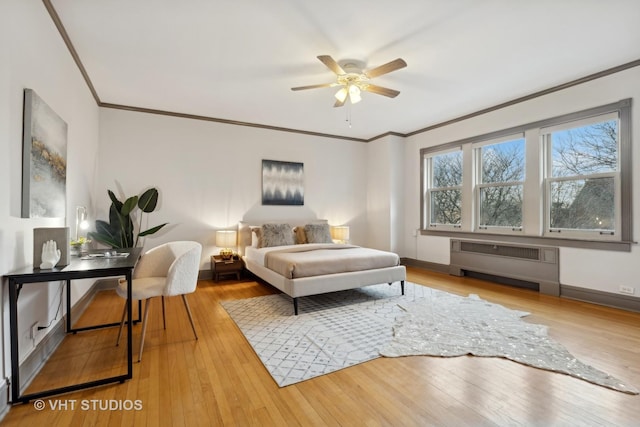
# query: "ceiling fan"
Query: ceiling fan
352,79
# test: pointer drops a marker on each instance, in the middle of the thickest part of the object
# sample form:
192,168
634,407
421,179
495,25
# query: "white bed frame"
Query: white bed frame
306,286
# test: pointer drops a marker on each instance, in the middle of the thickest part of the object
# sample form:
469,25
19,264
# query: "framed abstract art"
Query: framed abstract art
282,183
44,160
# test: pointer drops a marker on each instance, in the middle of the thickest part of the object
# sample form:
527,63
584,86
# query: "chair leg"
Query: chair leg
186,305
144,328
164,318
124,314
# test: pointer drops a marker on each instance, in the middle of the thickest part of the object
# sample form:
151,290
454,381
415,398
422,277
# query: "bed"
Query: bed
300,267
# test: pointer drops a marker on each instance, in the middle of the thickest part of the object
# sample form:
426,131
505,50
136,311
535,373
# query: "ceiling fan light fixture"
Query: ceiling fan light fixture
354,94
353,80
341,95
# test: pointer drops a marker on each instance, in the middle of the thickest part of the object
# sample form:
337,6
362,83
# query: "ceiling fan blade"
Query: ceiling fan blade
314,86
396,64
331,64
339,103
391,93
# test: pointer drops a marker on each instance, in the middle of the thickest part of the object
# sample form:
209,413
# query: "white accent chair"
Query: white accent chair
166,270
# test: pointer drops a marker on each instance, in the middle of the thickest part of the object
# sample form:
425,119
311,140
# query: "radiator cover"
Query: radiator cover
537,264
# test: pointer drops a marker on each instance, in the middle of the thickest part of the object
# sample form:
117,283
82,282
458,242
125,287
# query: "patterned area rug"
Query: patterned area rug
341,329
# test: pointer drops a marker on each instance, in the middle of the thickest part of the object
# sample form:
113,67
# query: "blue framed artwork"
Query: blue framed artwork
44,160
282,183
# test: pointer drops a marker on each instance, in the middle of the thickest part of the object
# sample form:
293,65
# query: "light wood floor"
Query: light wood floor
218,380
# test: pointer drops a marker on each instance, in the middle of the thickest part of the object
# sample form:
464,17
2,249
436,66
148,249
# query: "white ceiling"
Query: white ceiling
237,60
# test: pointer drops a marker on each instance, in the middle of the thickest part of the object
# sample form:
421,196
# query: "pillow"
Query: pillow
256,234
275,235
318,233
300,236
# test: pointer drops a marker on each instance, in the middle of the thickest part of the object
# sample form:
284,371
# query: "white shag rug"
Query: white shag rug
341,329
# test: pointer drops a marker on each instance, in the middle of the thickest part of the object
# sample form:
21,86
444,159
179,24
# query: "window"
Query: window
566,178
500,184
583,174
444,184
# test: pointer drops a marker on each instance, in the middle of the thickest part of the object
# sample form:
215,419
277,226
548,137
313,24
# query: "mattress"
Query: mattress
316,259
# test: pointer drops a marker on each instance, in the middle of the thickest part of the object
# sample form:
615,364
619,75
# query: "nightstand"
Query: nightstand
222,267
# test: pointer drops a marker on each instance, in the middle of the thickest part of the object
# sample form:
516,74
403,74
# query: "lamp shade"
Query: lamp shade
341,95
226,238
340,233
354,94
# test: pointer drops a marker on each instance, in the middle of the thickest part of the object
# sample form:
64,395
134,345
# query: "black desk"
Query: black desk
77,269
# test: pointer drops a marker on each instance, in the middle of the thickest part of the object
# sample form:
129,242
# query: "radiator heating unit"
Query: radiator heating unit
536,266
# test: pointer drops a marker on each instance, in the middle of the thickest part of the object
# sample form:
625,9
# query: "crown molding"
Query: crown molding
72,50
85,75
225,121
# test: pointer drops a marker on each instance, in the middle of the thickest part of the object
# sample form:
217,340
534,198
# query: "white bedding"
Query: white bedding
318,259
254,259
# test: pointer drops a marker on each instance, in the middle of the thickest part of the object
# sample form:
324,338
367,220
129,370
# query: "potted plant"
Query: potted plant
119,232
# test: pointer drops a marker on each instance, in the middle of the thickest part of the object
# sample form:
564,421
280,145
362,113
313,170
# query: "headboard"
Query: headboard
244,229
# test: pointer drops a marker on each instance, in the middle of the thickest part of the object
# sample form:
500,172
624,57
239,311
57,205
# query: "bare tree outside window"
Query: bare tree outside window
585,150
501,186
445,192
565,178
584,161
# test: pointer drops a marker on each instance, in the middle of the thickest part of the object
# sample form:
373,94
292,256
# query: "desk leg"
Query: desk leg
13,326
69,306
129,326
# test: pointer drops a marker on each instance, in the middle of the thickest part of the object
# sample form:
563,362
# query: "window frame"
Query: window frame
427,168
549,179
478,184
534,214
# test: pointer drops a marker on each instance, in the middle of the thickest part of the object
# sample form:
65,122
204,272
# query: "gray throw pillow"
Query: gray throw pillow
318,233
275,235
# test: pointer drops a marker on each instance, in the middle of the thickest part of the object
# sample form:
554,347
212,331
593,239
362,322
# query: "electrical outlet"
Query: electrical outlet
627,290
34,330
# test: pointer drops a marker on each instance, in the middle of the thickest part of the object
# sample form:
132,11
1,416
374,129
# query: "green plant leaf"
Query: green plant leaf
129,205
151,230
105,234
149,200
103,227
115,200
115,217
119,232
121,226
114,243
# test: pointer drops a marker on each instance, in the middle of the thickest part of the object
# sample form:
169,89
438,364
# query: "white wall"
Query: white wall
385,207
209,174
592,269
34,56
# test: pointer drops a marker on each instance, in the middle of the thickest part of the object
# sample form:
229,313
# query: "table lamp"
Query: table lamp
81,220
340,233
226,239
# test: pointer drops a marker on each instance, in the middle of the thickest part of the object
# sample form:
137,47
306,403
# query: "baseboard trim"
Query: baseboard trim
105,285
609,299
431,266
205,274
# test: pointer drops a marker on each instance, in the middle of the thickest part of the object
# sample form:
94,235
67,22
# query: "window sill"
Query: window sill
604,245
